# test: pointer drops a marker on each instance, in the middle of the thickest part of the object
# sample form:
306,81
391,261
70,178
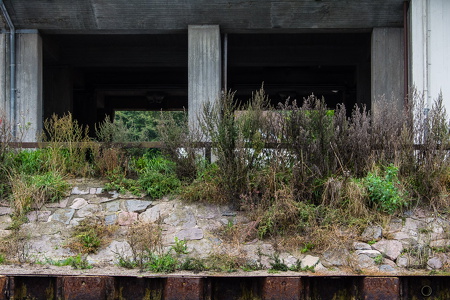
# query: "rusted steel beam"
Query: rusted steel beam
381,288
139,288
3,287
30,287
283,288
86,287
181,288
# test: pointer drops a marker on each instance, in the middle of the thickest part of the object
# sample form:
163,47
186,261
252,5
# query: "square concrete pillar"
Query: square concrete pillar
29,86
204,69
387,65
4,75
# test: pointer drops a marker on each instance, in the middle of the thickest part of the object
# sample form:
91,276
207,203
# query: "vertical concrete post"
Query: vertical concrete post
387,65
4,75
204,69
29,86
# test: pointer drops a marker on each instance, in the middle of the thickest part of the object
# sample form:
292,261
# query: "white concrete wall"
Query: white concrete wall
204,68
29,86
430,48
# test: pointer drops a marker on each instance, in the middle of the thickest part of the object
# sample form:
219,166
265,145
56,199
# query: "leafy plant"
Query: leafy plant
156,176
384,191
193,264
76,262
164,263
277,264
378,259
308,247
180,246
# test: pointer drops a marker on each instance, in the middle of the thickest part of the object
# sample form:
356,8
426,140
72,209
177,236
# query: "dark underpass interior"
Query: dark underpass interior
95,75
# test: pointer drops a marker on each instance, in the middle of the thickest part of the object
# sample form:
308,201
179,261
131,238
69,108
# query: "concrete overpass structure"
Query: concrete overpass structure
93,57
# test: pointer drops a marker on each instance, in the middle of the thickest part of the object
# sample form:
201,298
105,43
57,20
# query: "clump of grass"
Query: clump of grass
32,191
89,235
77,262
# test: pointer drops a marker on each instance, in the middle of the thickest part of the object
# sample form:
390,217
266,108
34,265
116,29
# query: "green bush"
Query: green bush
28,162
156,176
164,263
385,191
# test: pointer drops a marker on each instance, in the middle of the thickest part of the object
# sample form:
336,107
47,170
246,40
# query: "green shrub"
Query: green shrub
277,264
156,176
164,263
28,162
193,264
385,191
180,246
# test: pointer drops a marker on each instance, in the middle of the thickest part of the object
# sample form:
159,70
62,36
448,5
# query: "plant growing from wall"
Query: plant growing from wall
385,191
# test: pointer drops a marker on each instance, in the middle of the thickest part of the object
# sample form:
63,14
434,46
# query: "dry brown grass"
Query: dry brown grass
90,235
144,238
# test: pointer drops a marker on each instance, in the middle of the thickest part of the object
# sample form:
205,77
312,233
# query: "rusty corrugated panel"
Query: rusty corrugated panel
283,288
3,287
31,287
381,288
425,287
87,288
128,288
180,288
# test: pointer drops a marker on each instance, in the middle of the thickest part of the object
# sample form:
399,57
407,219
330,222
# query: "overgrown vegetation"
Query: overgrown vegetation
300,167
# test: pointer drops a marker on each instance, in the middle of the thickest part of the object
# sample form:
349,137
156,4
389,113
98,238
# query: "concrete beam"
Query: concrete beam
387,65
29,86
204,69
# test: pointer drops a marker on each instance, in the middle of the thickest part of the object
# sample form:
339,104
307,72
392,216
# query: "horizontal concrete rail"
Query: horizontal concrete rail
224,287
159,145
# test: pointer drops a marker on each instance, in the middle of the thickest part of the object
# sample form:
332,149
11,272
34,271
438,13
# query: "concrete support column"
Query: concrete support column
29,86
387,65
4,76
204,68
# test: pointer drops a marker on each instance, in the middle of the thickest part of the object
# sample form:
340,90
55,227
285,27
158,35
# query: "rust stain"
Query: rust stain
286,288
180,288
85,287
3,287
381,288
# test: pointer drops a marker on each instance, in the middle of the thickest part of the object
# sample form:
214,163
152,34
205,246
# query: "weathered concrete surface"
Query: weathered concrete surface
29,118
387,66
145,16
4,74
204,69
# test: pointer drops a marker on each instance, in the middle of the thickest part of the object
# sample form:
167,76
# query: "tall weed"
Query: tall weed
69,145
